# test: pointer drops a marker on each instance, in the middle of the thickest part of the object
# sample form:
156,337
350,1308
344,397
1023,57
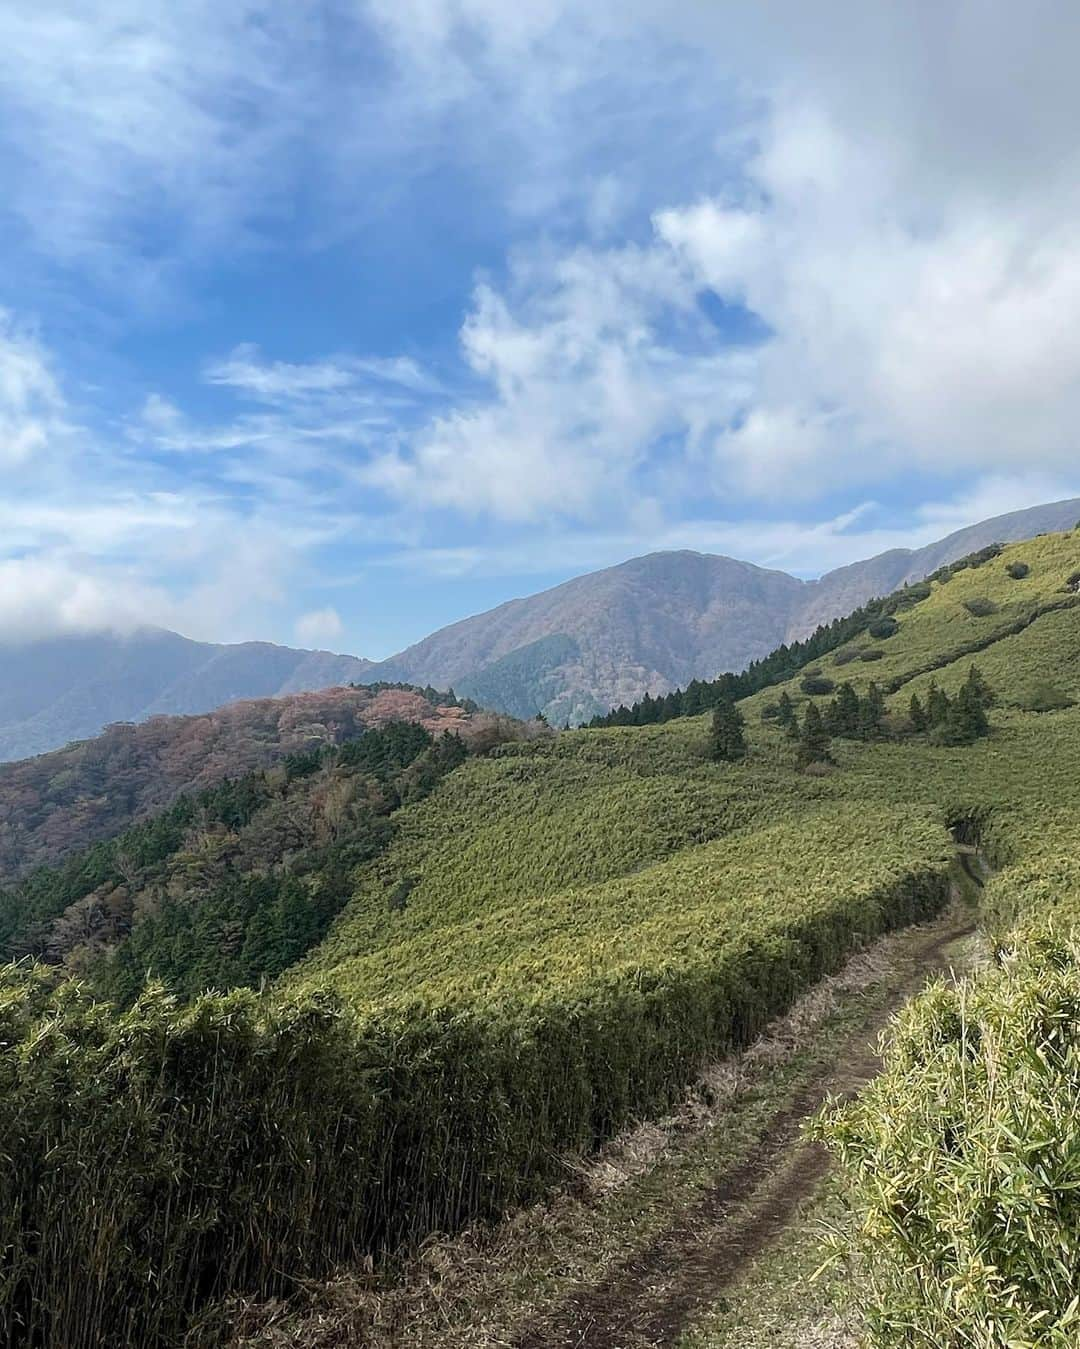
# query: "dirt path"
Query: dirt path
651,1297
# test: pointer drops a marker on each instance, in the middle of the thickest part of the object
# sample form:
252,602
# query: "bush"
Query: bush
770,712
174,1154
1044,697
847,655
977,559
1072,583
914,594
882,628
871,654
816,684
980,606
1018,570
962,1166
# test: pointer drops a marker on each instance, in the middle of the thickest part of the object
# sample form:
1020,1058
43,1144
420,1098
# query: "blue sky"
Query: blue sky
334,323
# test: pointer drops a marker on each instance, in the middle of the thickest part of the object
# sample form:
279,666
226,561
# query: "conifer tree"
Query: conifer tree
966,721
847,711
814,740
871,710
785,715
917,715
979,688
727,741
937,706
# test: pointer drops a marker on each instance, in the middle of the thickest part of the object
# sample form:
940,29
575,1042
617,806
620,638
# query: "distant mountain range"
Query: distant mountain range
68,688
647,625
655,622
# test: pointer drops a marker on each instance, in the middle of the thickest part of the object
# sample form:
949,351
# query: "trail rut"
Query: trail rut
651,1297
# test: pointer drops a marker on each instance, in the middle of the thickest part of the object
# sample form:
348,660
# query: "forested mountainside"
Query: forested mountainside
68,688
57,803
656,622
649,625
542,941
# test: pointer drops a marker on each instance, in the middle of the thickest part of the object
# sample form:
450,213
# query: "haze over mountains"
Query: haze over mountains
647,625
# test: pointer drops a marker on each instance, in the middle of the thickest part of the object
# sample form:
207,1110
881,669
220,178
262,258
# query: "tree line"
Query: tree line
958,720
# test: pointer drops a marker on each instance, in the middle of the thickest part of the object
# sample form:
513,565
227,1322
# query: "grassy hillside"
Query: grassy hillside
546,947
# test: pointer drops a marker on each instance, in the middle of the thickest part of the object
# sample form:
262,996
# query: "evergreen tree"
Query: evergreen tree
843,716
871,709
785,715
980,689
917,715
937,706
727,741
814,740
967,720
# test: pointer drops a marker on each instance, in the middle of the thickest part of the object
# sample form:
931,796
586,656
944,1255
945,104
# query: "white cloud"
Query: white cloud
117,110
886,208
582,387
283,382
901,221
319,625
45,597
31,406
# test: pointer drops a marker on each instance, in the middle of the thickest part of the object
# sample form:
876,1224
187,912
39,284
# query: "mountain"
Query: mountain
603,638
68,688
440,978
647,625
656,622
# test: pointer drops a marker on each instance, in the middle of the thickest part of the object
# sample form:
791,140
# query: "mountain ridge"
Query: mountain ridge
645,625
711,613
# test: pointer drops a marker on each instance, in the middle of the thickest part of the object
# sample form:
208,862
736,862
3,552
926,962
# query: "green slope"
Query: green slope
547,947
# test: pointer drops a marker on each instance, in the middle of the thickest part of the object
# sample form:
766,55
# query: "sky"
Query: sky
332,323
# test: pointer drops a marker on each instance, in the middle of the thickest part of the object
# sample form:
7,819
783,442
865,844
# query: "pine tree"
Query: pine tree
966,721
814,740
847,711
937,706
727,741
917,715
870,712
979,688
785,715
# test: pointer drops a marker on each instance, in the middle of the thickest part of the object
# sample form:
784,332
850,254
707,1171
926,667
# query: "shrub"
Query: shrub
816,684
847,655
1018,570
980,606
882,628
871,654
174,1154
770,712
961,1162
914,594
1044,697
1072,583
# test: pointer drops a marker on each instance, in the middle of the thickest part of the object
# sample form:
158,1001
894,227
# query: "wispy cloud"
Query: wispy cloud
739,272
